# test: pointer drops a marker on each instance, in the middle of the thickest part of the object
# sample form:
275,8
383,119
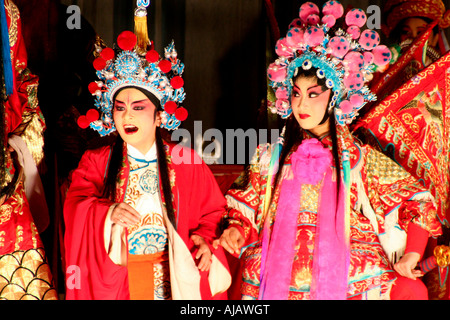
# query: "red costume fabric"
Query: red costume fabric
388,189
198,204
21,248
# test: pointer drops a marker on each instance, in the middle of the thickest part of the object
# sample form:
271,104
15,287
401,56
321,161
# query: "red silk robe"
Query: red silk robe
91,274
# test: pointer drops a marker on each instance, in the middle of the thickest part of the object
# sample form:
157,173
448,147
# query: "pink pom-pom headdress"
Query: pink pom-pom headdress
346,59
134,63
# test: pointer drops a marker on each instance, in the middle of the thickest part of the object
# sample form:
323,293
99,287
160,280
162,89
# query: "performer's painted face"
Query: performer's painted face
309,103
136,119
414,27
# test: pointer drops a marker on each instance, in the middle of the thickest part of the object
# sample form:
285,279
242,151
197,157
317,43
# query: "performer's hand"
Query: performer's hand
125,215
406,266
203,253
231,240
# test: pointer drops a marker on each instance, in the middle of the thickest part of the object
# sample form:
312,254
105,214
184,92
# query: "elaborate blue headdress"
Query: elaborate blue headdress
134,63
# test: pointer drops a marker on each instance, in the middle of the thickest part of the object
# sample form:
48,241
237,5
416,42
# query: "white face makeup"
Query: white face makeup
134,117
309,104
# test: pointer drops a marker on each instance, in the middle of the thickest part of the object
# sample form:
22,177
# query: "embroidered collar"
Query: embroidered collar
134,153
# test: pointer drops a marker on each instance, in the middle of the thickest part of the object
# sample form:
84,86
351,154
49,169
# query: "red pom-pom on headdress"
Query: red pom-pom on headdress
165,66
170,107
126,40
152,56
93,87
177,82
181,114
99,63
83,122
107,54
92,115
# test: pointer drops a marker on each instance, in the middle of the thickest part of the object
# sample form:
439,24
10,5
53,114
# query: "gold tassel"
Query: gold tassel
140,30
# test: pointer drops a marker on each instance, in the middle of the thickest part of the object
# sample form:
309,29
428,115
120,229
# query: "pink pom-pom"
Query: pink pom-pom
356,101
277,72
354,31
313,36
354,81
282,48
356,17
282,93
294,38
346,107
353,61
329,20
296,23
312,19
307,9
282,105
368,58
339,45
381,55
333,8
369,39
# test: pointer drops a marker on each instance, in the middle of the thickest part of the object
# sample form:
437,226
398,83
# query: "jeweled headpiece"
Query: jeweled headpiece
135,63
346,59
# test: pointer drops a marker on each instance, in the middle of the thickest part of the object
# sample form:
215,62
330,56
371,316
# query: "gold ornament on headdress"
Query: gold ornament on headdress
140,26
397,10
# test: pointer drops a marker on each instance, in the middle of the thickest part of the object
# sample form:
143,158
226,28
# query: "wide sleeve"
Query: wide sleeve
199,195
245,201
85,211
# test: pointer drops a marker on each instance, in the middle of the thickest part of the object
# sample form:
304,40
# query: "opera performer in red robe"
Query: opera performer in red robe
141,214
24,270
319,215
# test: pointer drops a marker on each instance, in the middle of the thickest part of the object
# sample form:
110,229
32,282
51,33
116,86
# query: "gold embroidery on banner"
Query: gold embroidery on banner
34,233
2,238
13,13
5,213
19,236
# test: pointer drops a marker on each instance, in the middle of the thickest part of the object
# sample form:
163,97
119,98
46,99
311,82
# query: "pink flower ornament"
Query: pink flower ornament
356,17
353,61
296,23
333,8
282,105
329,20
356,100
354,81
369,39
382,55
339,46
282,93
277,72
282,48
307,9
313,36
346,107
368,58
310,161
294,38
313,19
354,31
